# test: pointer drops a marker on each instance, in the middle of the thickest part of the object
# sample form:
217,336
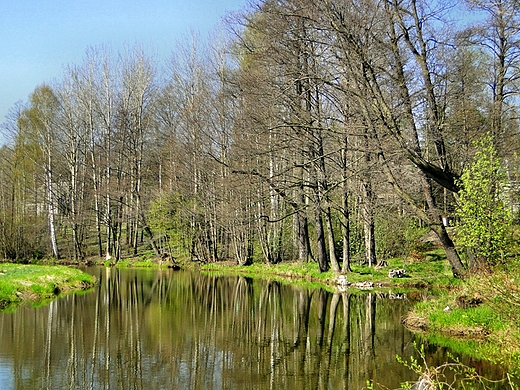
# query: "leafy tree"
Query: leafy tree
484,214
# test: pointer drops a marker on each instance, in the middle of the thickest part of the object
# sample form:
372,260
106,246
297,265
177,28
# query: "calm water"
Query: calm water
149,329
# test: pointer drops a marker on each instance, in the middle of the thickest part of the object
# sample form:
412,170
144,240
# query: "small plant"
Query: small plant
449,376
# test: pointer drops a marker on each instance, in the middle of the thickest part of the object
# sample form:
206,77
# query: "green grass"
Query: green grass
147,259
430,271
306,274
145,264
494,322
21,282
141,263
482,317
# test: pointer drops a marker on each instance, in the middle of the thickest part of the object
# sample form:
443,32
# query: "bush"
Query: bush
397,237
485,219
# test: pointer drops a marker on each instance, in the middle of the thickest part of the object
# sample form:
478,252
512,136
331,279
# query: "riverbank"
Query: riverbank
423,271
38,283
480,317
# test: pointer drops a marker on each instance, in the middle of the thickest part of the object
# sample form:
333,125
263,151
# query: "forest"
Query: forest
330,131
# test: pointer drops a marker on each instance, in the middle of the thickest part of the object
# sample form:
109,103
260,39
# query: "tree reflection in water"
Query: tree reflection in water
144,329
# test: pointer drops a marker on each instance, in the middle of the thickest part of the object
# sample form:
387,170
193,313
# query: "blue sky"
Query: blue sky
38,38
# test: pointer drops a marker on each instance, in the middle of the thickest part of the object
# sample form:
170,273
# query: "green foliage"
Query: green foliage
168,215
485,218
20,241
20,224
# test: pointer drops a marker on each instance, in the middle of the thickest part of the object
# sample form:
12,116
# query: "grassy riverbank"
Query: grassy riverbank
427,270
38,283
480,317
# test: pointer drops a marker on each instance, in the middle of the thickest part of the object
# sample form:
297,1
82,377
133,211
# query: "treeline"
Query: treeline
322,130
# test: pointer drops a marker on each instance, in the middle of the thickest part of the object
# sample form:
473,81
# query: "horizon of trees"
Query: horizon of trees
325,132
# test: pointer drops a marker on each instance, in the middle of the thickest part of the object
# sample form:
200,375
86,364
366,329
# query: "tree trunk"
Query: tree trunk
345,212
95,182
451,253
302,232
51,209
437,225
149,234
368,225
332,244
323,261
345,267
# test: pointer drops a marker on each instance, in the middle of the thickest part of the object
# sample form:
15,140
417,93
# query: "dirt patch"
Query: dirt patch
415,323
420,324
27,295
476,333
464,301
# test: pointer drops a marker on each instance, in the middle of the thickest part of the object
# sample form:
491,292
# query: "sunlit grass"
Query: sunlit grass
145,264
482,316
494,320
20,282
429,271
306,274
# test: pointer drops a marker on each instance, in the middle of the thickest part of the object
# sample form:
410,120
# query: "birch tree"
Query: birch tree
136,118
40,117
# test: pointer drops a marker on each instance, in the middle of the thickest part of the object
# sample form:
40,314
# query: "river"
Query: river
166,329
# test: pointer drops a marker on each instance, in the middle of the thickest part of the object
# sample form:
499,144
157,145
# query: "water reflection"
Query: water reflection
145,329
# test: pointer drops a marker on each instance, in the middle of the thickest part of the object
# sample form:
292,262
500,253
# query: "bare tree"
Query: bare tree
499,35
73,137
397,89
40,117
136,118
